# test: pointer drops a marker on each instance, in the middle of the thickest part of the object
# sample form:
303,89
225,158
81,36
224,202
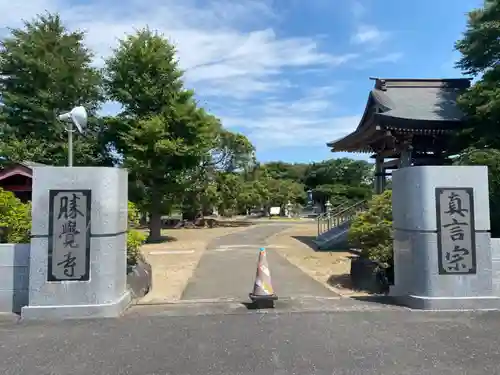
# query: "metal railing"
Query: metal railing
324,217
339,215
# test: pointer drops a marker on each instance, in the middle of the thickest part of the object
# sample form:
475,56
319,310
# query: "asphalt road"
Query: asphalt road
204,340
228,266
319,334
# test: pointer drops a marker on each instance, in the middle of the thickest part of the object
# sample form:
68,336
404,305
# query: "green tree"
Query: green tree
344,195
248,197
283,191
285,171
229,186
490,158
343,171
46,70
231,153
161,133
480,49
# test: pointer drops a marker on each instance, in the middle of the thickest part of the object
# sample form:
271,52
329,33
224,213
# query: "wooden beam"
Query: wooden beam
386,154
16,188
390,164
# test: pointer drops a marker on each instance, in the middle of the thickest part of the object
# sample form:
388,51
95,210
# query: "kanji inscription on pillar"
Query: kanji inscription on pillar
69,235
456,232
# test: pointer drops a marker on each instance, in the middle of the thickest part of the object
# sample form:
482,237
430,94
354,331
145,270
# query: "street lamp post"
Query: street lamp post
78,117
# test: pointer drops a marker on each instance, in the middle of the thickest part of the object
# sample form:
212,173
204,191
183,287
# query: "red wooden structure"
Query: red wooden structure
17,178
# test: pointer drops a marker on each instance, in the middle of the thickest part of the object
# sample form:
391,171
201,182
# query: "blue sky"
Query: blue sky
289,74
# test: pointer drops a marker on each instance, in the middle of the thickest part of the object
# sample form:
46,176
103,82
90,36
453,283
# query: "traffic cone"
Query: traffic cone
263,293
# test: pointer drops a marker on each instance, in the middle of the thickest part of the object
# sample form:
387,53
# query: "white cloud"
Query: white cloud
366,34
213,46
229,52
271,132
310,120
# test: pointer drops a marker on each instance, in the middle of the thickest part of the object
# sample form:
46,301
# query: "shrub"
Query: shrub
134,216
135,238
15,219
371,231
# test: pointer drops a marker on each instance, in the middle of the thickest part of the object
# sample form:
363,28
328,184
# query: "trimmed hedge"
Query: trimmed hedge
15,219
135,238
371,230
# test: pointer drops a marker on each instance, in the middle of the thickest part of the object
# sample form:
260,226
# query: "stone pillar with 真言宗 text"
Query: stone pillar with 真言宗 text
456,231
442,244
78,245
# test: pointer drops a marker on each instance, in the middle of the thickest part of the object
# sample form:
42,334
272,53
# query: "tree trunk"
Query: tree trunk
155,227
143,221
155,220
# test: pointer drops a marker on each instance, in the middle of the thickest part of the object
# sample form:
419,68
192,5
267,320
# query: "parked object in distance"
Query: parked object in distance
274,211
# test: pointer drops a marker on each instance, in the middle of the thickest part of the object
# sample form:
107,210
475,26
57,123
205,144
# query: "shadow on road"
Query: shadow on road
340,281
307,240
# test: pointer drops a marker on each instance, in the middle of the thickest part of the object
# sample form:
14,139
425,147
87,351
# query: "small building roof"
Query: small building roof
31,164
418,106
23,169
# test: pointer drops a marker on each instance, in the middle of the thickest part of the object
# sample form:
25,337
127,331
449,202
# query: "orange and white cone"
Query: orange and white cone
263,288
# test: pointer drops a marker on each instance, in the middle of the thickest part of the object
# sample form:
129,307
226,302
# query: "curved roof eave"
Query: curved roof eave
375,97
369,103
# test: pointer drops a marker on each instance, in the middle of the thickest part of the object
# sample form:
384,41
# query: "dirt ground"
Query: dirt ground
173,262
330,268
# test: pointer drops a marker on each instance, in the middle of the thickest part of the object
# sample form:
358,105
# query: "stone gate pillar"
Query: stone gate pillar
78,245
442,247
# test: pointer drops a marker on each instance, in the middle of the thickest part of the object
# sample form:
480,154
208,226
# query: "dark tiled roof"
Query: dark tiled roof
422,100
407,104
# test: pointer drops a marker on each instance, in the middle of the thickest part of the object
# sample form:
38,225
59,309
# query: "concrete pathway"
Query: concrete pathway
228,266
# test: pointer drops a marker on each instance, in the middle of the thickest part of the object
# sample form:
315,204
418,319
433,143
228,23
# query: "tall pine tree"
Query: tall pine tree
162,134
46,70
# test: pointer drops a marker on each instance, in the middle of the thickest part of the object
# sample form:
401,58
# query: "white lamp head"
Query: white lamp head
78,116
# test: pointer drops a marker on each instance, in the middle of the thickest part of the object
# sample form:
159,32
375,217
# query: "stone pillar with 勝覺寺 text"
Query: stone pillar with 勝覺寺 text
78,245
442,244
